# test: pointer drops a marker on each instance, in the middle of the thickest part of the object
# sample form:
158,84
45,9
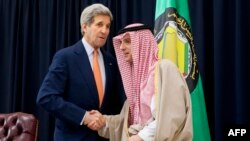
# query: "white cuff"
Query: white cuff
83,119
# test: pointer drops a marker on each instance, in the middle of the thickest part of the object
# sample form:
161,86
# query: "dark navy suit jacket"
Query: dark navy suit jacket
69,90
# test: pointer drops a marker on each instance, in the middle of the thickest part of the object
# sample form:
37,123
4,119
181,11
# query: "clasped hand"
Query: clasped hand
94,120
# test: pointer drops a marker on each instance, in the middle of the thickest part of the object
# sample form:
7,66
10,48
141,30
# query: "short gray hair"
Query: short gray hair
93,10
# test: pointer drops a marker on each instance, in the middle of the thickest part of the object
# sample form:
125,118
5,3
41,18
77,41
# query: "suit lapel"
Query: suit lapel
85,68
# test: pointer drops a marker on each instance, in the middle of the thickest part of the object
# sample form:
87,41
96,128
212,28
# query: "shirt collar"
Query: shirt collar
89,49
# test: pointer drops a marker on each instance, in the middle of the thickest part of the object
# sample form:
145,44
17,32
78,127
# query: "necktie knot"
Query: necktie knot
95,53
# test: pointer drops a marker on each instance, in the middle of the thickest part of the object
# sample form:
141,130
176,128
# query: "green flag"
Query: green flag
175,42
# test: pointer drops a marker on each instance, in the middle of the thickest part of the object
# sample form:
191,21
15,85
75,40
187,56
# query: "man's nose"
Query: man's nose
122,47
104,29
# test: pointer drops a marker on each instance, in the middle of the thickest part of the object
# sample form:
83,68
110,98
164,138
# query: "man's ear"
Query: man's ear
83,27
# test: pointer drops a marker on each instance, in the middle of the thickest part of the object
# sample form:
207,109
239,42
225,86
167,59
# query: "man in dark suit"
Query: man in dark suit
69,91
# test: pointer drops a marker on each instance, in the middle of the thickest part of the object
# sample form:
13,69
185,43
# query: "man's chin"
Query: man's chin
101,45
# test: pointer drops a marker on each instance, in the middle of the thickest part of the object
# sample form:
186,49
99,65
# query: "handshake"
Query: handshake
94,120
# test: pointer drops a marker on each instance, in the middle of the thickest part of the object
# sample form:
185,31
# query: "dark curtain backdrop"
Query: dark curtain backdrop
221,34
31,31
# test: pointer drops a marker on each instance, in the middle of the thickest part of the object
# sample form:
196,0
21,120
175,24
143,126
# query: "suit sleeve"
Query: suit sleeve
50,95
